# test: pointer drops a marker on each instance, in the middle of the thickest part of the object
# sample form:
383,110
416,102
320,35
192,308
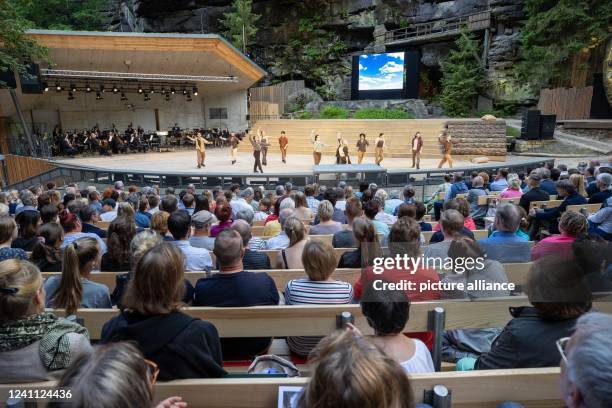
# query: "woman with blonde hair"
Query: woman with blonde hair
577,180
291,257
159,224
514,187
349,371
73,290
326,225
368,246
319,262
180,345
34,345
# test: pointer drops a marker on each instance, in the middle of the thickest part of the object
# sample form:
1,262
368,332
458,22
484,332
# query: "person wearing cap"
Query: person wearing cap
535,193
196,259
119,185
201,222
109,206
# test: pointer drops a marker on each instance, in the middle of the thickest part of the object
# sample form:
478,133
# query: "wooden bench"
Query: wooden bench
487,388
103,225
510,200
517,273
546,204
478,234
590,208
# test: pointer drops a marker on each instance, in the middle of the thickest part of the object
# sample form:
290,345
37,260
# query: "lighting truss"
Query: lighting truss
110,76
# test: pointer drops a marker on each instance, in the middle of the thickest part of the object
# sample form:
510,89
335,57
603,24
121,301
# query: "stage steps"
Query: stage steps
398,134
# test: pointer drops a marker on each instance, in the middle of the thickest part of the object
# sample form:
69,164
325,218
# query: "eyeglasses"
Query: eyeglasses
152,371
561,344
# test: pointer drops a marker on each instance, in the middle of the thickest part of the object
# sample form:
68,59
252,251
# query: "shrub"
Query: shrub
379,113
333,112
512,131
304,115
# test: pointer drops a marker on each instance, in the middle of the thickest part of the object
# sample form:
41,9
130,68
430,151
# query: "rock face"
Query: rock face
360,24
477,137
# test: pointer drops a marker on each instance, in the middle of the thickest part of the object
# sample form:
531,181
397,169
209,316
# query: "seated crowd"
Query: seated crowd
153,238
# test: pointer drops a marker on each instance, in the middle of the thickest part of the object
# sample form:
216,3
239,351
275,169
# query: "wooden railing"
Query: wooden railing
19,168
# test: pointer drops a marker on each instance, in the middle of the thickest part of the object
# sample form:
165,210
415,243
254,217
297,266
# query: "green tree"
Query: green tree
557,29
16,49
63,14
240,25
462,74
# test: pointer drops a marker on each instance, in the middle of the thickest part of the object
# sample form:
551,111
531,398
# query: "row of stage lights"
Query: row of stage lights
72,89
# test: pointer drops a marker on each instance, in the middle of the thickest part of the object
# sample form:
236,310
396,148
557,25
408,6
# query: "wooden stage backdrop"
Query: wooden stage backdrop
19,168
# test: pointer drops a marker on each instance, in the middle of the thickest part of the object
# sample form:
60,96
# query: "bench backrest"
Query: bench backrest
478,234
530,386
546,204
590,208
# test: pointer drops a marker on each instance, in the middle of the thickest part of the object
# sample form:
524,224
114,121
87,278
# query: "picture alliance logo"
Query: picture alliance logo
458,265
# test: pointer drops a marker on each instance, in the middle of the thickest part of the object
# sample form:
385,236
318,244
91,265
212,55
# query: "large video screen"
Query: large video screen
381,71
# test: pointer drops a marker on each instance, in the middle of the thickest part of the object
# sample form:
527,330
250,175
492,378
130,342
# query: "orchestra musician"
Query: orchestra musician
136,141
67,147
200,145
117,143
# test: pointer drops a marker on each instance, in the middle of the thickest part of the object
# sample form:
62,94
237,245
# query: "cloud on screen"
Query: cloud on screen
381,71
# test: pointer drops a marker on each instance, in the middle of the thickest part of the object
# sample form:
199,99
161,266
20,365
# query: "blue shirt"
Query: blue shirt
196,259
499,185
69,239
456,188
506,247
143,219
549,186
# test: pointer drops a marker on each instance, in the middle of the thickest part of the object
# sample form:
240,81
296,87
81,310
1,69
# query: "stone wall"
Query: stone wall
476,137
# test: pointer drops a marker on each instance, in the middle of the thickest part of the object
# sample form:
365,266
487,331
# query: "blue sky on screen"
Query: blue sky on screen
381,71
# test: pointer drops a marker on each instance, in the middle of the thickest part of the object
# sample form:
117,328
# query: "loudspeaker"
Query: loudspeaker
31,83
530,126
547,126
8,77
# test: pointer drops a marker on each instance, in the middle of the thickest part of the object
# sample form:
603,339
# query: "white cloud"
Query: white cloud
362,67
389,81
397,55
391,67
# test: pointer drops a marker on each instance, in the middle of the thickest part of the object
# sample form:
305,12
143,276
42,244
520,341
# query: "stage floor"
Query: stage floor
218,160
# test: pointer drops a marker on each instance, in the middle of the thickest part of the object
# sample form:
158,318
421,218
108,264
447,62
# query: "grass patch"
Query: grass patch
379,113
334,112
512,131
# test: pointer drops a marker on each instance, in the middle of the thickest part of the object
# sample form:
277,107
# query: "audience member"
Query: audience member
73,289
514,187
345,237
579,183
368,246
252,259
477,211
326,224
49,213
604,185
169,203
120,234
235,287
387,313
338,214
291,256
451,223
349,371
201,222
34,345
263,209
73,230
109,208
302,210
461,205
437,198
195,259
458,187
572,226
143,217
501,182
89,216
223,212
319,262
547,184
27,222
568,193
281,240
600,223
371,209
8,232
504,245
47,253
159,224
180,345
393,202
535,193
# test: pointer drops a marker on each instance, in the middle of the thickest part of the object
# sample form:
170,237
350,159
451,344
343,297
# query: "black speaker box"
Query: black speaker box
31,83
547,126
8,77
530,126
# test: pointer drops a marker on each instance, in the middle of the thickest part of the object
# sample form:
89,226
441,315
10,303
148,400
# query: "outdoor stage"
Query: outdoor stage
218,161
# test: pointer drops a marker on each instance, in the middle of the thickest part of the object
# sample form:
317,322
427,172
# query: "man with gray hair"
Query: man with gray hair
252,259
119,185
547,184
604,184
586,377
280,241
240,203
504,245
28,202
393,202
233,286
279,191
201,223
536,192
247,215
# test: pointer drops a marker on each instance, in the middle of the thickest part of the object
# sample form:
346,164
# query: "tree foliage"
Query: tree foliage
240,25
556,29
16,48
63,14
462,74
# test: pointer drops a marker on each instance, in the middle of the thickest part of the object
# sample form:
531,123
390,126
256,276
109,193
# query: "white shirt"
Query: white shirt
108,216
420,362
260,216
196,259
386,218
281,241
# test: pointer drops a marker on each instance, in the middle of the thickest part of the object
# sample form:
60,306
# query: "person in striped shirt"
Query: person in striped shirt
318,288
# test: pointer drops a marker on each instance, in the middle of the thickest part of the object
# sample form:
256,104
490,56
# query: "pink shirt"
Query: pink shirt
510,193
557,245
468,223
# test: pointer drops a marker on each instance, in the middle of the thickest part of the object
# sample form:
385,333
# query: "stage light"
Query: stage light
98,96
163,91
102,89
73,87
87,88
46,86
151,90
139,89
115,89
195,91
184,92
172,91
58,87
123,97
70,96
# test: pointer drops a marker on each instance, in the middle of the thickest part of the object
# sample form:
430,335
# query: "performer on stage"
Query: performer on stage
283,142
379,148
264,141
317,147
417,147
342,151
447,145
257,147
362,147
200,145
234,142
